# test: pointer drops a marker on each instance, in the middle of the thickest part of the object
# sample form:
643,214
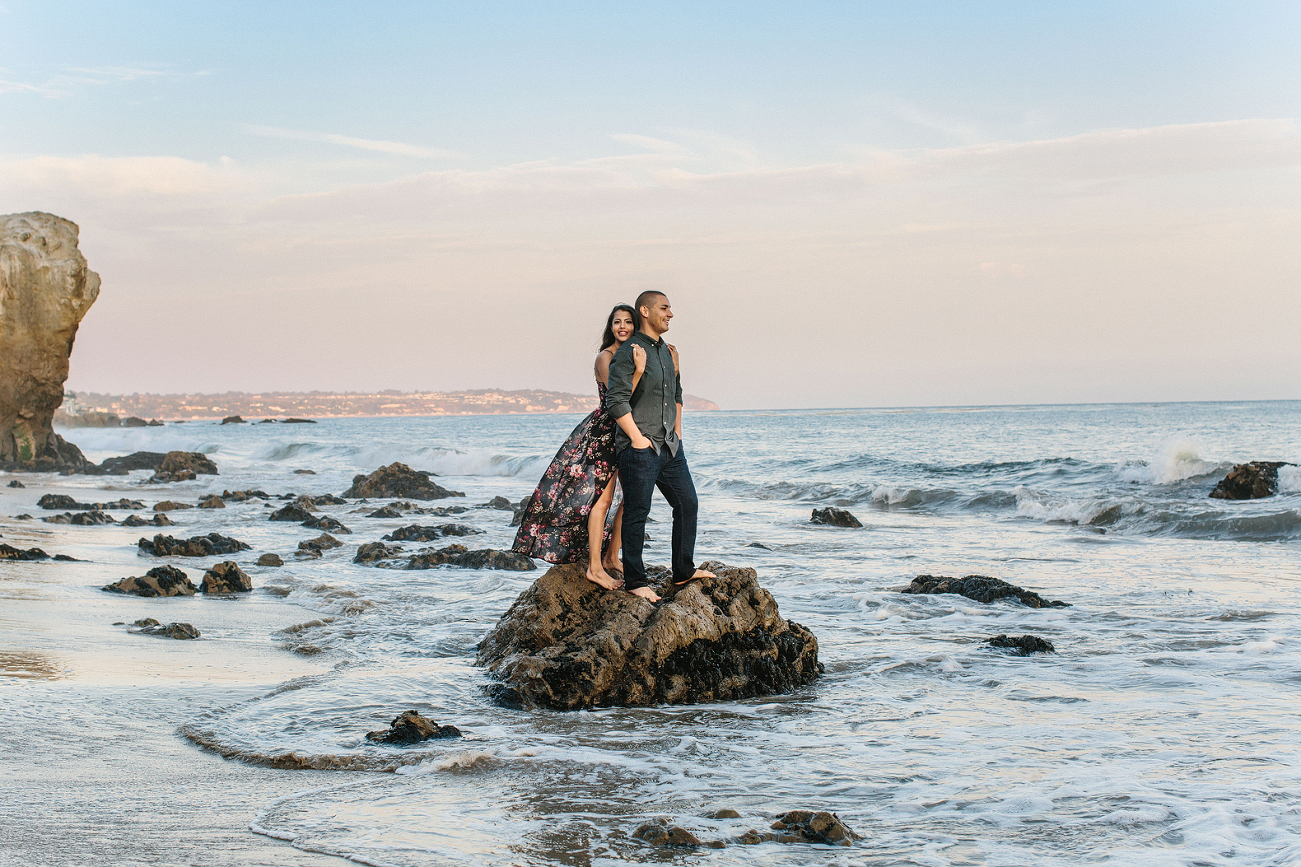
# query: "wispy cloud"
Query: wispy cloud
74,78
379,145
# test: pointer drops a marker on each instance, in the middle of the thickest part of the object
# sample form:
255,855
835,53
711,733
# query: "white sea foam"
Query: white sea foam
1289,480
1176,459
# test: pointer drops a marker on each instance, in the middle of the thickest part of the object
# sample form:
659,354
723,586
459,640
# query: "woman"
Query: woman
564,520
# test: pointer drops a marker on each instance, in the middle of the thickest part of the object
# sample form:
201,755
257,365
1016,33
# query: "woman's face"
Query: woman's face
622,325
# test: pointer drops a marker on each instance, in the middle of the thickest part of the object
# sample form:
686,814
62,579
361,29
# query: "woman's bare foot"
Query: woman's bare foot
598,576
646,593
612,564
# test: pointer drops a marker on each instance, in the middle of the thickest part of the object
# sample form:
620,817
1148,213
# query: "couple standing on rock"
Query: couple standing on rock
634,438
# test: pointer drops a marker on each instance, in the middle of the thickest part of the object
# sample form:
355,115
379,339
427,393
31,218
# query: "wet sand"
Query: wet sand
95,770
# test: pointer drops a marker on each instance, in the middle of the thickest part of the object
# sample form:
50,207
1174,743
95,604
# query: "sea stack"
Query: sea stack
46,288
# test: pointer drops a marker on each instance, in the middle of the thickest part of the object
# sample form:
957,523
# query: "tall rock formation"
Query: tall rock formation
45,290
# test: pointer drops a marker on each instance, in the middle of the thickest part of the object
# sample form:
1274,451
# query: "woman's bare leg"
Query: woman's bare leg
595,536
611,561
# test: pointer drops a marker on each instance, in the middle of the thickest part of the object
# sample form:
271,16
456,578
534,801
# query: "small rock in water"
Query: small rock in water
835,517
16,484
304,472
81,519
312,548
183,467
373,552
417,533
981,588
1250,481
724,813
459,555
170,506
292,512
412,728
225,578
270,560
300,421
758,545
325,500
244,496
385,512
398,480
158,520
121,466
660,832
159,581
149,626
8,552
501,503
212,502
198,546
805,826
328,524
1022,645
232,419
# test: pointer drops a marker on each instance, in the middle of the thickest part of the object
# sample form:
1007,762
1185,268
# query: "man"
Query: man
649,447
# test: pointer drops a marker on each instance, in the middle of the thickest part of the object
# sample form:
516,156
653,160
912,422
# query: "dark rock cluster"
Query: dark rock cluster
417,533
981,588
399,480
567,644
159,581
459,555
197,546
1250,481
63,501
835,517
1021,645
226,578
150,626
412,728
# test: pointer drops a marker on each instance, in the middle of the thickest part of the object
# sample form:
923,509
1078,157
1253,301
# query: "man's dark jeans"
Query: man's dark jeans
641,471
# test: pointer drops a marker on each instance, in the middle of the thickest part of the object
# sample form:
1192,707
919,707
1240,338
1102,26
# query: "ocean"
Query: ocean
1164,730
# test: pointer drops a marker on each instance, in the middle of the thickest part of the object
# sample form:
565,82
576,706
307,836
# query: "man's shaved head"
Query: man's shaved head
647,298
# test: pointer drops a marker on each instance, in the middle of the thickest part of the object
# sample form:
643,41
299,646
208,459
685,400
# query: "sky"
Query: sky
847,204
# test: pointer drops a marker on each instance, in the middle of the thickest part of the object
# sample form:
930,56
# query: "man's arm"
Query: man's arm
639,439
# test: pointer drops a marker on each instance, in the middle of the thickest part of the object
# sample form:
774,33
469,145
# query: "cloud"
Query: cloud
378,145
113,177
61,86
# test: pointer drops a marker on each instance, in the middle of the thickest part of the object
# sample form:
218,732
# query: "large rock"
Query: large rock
412,728
45,290
835,517
135,461
459,555
399,480
159,581
181,466
225,578
198,546
568,644
1250,481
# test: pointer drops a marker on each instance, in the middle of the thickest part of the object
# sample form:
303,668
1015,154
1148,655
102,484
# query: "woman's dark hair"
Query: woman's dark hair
607,339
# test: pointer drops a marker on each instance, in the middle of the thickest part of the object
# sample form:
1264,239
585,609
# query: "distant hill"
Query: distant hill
319,404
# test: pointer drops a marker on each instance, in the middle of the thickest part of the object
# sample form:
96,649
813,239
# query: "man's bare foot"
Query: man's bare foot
599,576
646,593
700,573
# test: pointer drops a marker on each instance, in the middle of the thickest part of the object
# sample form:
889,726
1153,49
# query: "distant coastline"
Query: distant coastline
320,404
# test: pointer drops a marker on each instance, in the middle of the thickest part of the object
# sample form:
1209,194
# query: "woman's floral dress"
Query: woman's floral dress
553,526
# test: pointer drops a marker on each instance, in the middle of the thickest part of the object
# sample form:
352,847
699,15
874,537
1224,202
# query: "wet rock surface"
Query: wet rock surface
270,560
374,552
418,533
459,555
195,462
212,502
16,484
159,581
805,826
233,419
412,728
292,512
128,463
834,517
312,548
567,644
981,588
327,524
63,501
9,552
1021,645
158,520
399,480
197,546
1250,481
225,578
170,506
150,626
81,519
244,496
46,287
662,832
